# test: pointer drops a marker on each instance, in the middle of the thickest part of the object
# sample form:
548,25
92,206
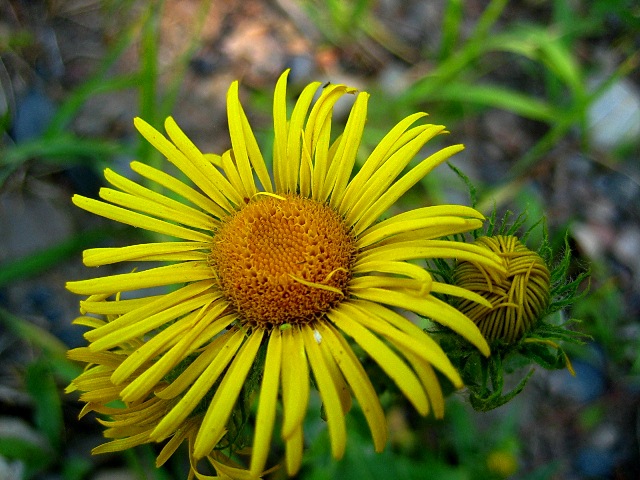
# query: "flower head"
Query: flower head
519,297
273,279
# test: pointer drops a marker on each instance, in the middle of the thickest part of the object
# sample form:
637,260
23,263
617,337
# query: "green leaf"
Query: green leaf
33,334
48,410
497,97
34,456
38,262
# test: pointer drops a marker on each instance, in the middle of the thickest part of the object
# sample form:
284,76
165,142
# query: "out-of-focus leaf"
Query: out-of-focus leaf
38,262
33,334
44,393
18,441
498,97
64,149
451,25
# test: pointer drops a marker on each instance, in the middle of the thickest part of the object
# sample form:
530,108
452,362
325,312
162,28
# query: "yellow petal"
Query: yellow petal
295,381
416,341
390,363
293,450
359,382
280,131
385,175
200,364
188,215
401,186
430,382
345,157
397,224
267,404
238,140
134,310
153,277
290,164
201,172
168,360
422,249
432,308
164,251
219,410
328,392
191,399
135,219
171,183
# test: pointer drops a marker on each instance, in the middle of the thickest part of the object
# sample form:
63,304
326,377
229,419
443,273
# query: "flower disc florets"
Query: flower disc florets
283,259
519,297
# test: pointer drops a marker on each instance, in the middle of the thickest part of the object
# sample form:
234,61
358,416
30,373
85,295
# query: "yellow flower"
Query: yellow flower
272,281
519,297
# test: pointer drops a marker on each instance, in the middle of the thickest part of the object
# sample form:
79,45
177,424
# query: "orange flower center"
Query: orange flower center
283,260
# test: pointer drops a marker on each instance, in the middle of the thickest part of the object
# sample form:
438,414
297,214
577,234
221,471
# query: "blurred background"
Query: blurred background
545,94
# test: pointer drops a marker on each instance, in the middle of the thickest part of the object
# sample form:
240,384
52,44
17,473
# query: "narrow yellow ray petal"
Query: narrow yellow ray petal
202,164
432,308
90,322
344,394
321,160
415,227
385,175
233,175
318,133
190,216
154,277
388,361
455,291
171,183
267,404
200,387
419,343
293,450
121,444
95,257
219,410
432,233
359,382
401,186
238,140
173,444
145,325
406,285
200,364
306,170
430,382
354,189
423,249
135,219
295,381
255,155
432,211
201,172
291,163
84,354
146,309
192,340
348,149
139,204
399,268
280,131
159,343
322,111
328,393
